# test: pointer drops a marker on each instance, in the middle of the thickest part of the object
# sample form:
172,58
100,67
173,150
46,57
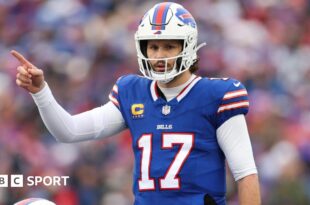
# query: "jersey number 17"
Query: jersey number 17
170,181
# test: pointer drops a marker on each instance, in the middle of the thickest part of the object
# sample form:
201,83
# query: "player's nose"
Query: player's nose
160,53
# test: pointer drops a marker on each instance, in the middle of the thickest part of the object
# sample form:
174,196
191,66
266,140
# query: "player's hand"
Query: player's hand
28,76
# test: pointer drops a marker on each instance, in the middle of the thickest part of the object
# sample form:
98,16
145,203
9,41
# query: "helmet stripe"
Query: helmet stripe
154,17
160,15
165,16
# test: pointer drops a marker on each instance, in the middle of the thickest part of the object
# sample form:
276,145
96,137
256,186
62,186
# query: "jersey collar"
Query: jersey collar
155,92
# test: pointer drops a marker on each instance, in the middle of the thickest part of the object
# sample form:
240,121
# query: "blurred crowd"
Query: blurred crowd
83,46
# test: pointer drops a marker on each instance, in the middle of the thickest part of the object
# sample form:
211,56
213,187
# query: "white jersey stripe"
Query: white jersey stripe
113,100
115,89
235,105
235,94
188,88
181,95
153,91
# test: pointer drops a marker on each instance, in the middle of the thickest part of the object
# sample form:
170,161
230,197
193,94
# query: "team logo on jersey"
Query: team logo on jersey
137,110
166,110
184,16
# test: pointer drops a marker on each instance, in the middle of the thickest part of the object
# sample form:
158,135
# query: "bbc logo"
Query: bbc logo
16,180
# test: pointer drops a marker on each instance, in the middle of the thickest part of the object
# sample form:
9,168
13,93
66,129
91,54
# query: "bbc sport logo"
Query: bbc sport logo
17,180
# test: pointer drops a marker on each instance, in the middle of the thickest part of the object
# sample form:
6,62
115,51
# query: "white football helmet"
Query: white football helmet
167,21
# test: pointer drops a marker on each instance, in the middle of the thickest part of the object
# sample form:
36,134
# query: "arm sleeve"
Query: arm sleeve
234,140
100,122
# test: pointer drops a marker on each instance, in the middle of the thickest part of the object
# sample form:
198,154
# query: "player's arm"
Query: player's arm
248,190
99,122
235,142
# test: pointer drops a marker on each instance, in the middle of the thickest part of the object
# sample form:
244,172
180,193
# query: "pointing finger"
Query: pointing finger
21,58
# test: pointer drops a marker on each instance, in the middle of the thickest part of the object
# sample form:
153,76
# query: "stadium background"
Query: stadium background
83,46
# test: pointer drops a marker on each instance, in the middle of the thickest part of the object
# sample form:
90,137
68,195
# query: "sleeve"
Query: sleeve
120,93
97,123
114,96
233,101
234,140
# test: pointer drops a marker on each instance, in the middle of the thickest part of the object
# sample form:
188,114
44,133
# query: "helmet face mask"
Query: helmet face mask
167,21
165,76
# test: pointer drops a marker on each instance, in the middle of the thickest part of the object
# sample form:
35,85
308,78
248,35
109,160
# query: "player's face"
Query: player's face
158,49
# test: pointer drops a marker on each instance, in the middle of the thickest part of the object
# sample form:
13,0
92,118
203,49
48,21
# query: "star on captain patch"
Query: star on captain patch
166,110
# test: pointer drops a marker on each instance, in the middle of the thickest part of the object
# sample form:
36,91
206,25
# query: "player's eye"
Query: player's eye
153,47
170,46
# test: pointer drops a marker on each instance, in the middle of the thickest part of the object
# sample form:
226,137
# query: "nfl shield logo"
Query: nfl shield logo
166,110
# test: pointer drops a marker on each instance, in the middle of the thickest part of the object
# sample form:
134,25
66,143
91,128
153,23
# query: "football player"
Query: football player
183,126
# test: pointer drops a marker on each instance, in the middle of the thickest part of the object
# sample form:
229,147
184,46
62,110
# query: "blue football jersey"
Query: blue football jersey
177,157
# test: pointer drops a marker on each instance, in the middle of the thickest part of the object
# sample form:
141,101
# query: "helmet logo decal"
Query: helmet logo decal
157,32
160,15
184,16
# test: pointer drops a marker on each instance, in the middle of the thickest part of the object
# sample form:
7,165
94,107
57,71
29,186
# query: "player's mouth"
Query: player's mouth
160,67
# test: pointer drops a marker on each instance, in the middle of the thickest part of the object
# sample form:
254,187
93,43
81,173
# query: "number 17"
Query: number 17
170,181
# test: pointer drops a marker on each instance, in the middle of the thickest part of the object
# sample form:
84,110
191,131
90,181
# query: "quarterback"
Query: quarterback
183,126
